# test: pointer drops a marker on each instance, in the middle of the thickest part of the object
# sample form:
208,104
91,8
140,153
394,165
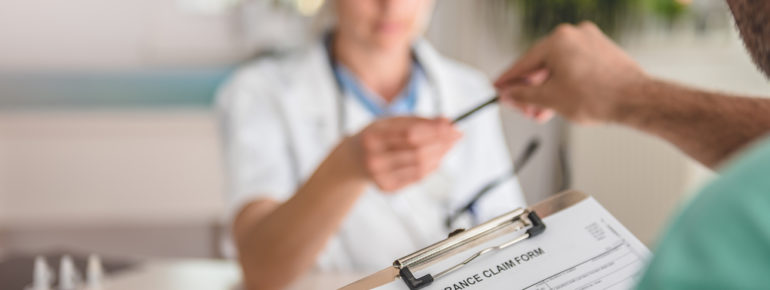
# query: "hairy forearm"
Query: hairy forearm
707,126
284,243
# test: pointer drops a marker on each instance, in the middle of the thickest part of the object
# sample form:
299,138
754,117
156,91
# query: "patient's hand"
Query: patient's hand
396,152
576,71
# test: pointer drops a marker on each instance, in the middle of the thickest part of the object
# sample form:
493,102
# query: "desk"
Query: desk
208,275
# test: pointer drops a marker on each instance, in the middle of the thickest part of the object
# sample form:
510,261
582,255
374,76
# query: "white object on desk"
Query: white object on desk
94,273
42,277
69,278
204,274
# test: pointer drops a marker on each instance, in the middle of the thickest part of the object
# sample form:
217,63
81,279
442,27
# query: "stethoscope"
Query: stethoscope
342,117
469,206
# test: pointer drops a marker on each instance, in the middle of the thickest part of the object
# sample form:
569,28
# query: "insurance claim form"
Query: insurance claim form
582,247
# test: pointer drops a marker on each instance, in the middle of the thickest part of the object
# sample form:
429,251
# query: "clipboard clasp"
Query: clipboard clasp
458,240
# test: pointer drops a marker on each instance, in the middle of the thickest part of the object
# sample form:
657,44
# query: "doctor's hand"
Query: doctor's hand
576,71
396,152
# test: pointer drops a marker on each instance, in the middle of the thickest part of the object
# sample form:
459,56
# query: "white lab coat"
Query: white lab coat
281,110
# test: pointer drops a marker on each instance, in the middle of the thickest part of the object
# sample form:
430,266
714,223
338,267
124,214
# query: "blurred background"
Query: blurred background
108,141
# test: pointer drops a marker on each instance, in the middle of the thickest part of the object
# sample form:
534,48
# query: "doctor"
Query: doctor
340,157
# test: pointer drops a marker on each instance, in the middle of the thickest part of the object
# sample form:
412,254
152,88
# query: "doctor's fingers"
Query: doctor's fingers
425,158
404,176
398,179
410,137
387,161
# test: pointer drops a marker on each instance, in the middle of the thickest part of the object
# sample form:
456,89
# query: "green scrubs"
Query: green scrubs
721,240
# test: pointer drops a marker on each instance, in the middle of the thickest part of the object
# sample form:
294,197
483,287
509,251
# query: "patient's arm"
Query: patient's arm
707,126
579,73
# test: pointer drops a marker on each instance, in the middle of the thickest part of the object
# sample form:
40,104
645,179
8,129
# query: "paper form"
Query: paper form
583,247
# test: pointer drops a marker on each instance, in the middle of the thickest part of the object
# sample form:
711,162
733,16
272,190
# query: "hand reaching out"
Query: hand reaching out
577,72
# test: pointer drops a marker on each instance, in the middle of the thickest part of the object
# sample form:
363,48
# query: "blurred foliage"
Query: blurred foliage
540,16
669,9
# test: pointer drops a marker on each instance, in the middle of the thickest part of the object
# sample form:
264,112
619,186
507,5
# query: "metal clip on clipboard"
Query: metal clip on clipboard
461,240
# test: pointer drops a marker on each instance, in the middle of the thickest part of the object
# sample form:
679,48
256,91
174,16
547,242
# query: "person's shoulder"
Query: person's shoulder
749,168
265,77
741,190
723,229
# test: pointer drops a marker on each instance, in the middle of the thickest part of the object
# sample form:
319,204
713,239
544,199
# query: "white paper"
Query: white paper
583,247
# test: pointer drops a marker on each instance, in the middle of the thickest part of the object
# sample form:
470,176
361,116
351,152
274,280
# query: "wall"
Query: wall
121,183
3,181
116,34
140,167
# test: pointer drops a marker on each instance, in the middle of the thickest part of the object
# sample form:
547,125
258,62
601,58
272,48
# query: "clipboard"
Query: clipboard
529,221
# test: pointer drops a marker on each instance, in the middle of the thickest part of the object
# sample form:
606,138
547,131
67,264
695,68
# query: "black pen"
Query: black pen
476,109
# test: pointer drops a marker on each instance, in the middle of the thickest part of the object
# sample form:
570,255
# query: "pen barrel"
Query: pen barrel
476,109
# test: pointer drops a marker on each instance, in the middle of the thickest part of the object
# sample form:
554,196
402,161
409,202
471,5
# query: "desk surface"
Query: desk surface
208,275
